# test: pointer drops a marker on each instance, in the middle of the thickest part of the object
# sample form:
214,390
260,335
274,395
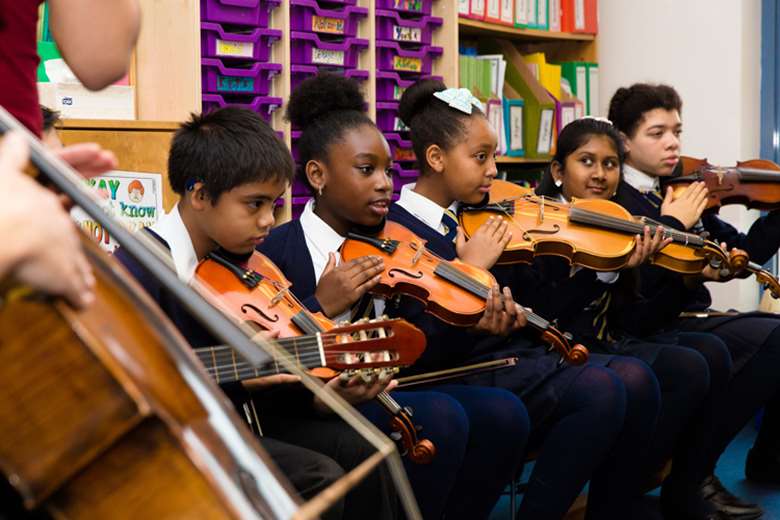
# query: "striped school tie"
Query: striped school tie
450,223
654,197
600,320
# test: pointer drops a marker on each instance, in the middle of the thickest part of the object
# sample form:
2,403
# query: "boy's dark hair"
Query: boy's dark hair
224,149
50,118
324,108
431,120
628,106
573,136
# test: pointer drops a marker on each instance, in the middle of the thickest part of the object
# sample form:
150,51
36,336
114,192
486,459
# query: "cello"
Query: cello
258,293
106,412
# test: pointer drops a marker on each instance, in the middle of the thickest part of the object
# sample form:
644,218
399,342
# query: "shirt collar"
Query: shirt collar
639,179
422,207
172,229
318,233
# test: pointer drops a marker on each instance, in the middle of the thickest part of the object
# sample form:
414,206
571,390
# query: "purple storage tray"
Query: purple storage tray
299,188
390,86
298,203
392,27
387,117
306,15
406,173
218,78
391,57
309,49
298,73
407,6
263,105
400,148
251,13
399,182
252,44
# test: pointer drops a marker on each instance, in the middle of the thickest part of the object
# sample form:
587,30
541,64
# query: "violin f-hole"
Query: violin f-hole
397,270
527,234
248,306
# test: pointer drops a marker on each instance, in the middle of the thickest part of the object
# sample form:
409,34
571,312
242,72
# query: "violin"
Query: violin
754,183
594,233
451,290
259,295
599,234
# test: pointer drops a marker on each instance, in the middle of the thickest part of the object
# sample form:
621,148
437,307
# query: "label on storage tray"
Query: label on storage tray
409,5
399,126
237,49
407,34
404,154
324,24
235,84
407,64
398,91
516,127
327,57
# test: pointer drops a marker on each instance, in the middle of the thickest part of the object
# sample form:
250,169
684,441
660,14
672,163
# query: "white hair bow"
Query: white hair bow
460,99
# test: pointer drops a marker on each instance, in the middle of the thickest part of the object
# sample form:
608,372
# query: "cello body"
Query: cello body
106,414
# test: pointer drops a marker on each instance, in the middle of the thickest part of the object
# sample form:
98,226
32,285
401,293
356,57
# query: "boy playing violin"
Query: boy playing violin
229,168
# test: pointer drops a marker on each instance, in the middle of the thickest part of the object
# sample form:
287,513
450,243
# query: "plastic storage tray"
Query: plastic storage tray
400,149
251,44
309,49
306,15
387,117
263,105
255,78
298,73
391,26
407,6
251,13
391,57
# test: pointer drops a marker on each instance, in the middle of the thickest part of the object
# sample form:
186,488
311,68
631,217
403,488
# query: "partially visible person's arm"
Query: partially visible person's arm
41,246
96,37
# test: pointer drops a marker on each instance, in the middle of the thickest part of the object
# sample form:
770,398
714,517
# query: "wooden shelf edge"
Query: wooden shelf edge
503,159
116,124
469,26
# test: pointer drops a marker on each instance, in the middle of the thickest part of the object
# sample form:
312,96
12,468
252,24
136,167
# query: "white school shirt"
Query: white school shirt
640,180
424,208
172,229
321,239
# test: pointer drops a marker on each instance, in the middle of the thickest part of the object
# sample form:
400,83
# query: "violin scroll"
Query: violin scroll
419,451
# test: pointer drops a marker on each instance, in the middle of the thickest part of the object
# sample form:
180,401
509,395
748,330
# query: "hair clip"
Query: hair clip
460,99
599,118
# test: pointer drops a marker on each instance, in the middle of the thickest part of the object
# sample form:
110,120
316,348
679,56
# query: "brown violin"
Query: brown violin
594,233
259,295
453,291
754,183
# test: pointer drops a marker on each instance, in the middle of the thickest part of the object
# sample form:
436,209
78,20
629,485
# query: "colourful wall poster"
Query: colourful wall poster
134,198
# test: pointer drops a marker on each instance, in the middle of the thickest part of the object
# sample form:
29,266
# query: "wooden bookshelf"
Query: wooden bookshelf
480,28
503,159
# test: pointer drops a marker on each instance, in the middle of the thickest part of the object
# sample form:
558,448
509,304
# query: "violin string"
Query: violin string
483,291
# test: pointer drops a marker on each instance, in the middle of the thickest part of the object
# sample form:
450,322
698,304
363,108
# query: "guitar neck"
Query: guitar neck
224,365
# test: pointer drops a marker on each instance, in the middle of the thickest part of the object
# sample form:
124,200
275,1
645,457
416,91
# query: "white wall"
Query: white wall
710,51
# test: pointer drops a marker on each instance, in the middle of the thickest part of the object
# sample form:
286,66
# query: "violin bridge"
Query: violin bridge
418,254
278,297
540,213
